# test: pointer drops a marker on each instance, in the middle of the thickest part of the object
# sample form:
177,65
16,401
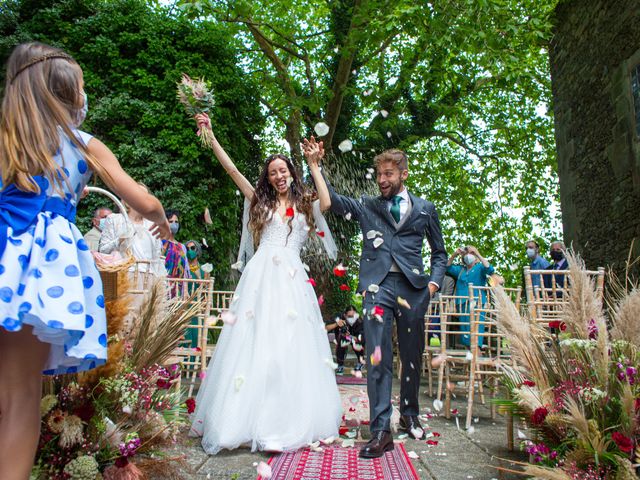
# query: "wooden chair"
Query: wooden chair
489,347
220,301
454,313
192,352
432,327
546,303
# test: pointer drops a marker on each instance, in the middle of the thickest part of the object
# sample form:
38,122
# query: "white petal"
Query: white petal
412,454
314,445
403,303
237,382
264,470
207,267
345,146
235,299
289,181
237,193
204,242
416,271
351,434
348,216
521,434
228,317
403,436
292,314
377,242
306,267
366,93
372,234
437,405
238,265
346,443
384,113
368,176
417,432
292,272
469,356
389,134
370,170
373,288
249,314
321,129
328,441
471,430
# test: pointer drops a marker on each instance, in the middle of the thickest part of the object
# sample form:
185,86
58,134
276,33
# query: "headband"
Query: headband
39,59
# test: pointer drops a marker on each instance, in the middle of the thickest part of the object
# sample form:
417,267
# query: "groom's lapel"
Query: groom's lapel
412,215
407,214
383,211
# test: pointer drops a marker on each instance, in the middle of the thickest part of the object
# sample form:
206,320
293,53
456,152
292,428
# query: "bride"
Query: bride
270,382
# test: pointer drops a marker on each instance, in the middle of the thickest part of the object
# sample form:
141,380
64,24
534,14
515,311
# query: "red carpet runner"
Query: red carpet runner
337,463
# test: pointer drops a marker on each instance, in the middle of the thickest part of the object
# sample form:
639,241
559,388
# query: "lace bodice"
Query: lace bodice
276,232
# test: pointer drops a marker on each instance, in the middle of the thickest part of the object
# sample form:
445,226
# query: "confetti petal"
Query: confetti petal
207,267
312,282
237,382
376,356
345,146
228,317
348,216
320,233
292,272
339,270
328,441
204,242
321,300
437,405
321,129
373,288
348,442
207,216
389,134
264,470
289,182
417,433
357,373
412,454
368,176
291,314
306,267
468,356
403,303
384,113
377,242
416,271
373,234
238,265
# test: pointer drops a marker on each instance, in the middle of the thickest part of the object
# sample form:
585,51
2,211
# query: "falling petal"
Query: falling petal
204,242
437,405
207,216
306,267
340,270
237,193
348,216
376,356
370,170
368,176
228,317
235,299
292,272
373,288
403,303
403,436
238,265
468,355
345,287
207,268
389,134
476,419
345,146
212,321
306,228
416,271
357,373
384,113
264,470
312,282
237,382
321,129
521,434
202,375
249,314
377,242
373,234
314,444
366,93
321,300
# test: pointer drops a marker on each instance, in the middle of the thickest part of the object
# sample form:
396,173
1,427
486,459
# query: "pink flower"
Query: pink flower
191,405
312,282
539,415
623,442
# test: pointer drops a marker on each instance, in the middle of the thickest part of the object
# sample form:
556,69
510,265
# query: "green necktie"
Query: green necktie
395,208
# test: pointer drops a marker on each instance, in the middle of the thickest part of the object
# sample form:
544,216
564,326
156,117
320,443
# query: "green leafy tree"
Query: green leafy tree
132,54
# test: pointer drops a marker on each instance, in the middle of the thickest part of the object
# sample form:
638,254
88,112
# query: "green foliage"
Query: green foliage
132,55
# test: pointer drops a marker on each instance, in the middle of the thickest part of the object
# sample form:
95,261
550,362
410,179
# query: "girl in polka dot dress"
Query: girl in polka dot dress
52,315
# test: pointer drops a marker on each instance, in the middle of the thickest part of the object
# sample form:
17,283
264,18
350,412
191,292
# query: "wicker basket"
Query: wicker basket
114,275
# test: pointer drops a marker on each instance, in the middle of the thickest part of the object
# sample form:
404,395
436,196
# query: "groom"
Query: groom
394,285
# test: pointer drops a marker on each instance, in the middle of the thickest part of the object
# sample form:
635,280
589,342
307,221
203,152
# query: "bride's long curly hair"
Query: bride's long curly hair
265,199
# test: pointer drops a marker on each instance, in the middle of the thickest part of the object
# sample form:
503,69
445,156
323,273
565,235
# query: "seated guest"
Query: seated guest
536,262
349,330
475,271
92,237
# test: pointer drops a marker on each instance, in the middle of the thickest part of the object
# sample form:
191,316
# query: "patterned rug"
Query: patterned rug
334,462
350,380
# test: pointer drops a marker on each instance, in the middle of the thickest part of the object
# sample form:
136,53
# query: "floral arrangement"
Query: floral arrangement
108,425
578,388
197,98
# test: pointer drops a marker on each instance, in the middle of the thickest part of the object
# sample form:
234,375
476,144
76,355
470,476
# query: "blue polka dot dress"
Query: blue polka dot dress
48,279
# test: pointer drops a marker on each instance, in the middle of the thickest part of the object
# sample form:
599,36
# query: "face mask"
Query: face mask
101,224
191,254
174,227
531,252
82,113
556,255
469,258
352,320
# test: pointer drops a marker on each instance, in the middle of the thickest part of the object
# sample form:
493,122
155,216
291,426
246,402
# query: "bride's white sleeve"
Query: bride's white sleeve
246,249
322,226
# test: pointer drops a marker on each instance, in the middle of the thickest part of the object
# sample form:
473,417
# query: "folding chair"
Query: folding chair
432,330
489,347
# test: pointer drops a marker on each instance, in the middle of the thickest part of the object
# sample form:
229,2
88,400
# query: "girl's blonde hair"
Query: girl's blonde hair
42,99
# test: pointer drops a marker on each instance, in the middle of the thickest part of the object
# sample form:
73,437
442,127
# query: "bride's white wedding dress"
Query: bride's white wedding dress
270,383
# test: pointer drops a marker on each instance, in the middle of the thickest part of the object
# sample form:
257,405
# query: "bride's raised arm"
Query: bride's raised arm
243,184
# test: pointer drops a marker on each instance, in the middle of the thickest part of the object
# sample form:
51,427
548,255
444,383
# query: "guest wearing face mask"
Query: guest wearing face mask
536,262
194,250
92,237
349,330
476,270
557,252
175,253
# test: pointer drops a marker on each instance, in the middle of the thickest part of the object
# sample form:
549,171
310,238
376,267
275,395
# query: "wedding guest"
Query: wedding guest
194,250
348,327
536,262
92,237
557,253
52,315
174,252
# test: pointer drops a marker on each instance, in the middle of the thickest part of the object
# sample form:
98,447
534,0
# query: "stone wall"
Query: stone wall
596,45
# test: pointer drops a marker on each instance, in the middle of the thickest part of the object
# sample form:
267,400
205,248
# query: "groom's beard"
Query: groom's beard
392,192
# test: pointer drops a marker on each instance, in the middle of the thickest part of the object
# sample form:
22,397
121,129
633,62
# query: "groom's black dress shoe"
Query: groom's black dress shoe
408,423
381,441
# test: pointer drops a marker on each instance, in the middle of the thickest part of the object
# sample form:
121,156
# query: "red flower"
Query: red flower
343,430
320,233
289,212
339,271
191,404
454,411
539,415
529,383
378,310
345,288
312,282
558,325
623,442
432,442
